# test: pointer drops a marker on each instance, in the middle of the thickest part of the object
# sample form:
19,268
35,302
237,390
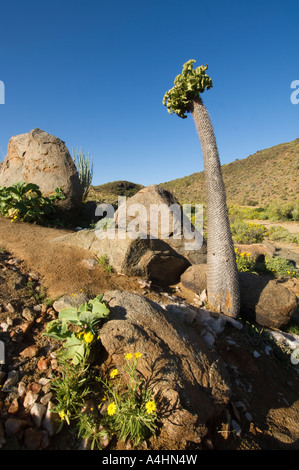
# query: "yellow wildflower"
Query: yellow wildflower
138,355
88,337
150,406
128,356
111,409
113,373
62,415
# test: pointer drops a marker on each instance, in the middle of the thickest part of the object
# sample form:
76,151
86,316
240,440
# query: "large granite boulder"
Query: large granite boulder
161,216
40,158
189,380
266,302
151,259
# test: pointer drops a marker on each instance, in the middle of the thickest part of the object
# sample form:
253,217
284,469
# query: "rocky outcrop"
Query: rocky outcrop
188,379
40,158
161,216
152,259
266,302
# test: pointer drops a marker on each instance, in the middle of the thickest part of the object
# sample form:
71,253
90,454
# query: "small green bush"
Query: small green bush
280,267
247,233
26,203
245,261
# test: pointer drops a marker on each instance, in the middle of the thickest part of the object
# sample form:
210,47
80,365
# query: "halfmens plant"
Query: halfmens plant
222,274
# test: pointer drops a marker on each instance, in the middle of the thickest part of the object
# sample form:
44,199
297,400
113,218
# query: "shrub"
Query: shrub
247,233
245,262
280,267
25,202
280,234
131,412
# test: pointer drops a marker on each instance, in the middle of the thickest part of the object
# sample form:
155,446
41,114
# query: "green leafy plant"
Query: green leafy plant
70,389
77,328
103,261
25,202
247,233
131,411
245,262
187,87
85,170
280,267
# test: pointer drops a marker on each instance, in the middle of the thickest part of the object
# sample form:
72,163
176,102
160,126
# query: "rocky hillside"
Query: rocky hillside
109,192
266,176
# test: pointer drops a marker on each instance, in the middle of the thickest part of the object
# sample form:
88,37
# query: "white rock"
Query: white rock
30,399
4,326
21,389
38,411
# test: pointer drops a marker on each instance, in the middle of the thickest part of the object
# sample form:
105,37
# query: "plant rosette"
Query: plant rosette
78,328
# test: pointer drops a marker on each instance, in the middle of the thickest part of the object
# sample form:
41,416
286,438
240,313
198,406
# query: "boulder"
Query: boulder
258,251
161,216
266,302
152,259
188,379
40,158
195,278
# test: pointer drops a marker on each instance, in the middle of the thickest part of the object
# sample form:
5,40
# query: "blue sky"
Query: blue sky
94,74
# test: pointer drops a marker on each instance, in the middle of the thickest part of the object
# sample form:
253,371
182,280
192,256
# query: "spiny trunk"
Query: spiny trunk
222,273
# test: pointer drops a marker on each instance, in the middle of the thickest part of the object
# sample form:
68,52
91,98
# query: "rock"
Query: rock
258,251
32,438
13,407
37,411
40,158
30,399
265,302
31,351
28,314
172,225
43,364
14,425
21,389
9,308
66,301
51,420
195,278
188,379
152,259
11,381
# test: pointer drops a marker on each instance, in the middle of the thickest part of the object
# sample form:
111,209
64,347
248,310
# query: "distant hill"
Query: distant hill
268,175
109,192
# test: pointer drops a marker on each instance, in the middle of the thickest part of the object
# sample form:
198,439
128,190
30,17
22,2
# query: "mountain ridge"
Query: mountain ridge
267,176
